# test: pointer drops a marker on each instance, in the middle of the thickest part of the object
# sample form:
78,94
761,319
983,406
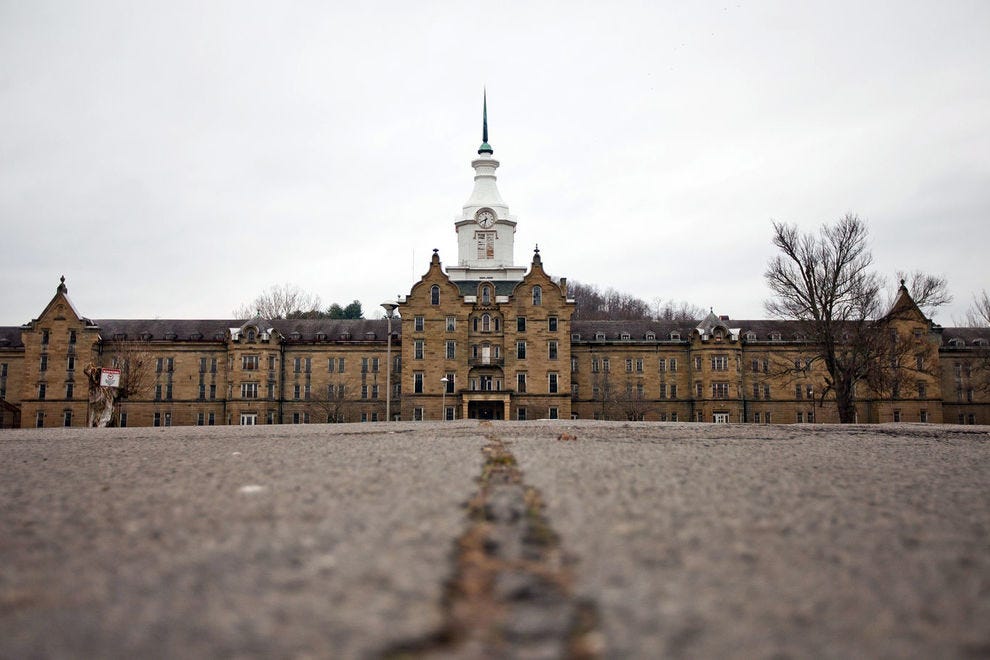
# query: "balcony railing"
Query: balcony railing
486,362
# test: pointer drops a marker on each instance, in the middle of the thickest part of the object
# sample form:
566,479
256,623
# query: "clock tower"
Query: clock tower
485,229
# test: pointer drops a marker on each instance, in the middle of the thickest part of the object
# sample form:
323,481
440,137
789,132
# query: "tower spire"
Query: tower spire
485,148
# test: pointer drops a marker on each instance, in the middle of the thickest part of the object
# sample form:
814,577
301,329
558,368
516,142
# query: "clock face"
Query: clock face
485,217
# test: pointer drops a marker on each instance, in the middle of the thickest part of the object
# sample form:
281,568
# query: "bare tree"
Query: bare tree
978,315
929,292
134,362
677,311
280,301
825,282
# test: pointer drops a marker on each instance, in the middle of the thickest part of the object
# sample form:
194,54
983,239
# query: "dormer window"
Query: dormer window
575,336
370,336
146,336
170,336
718,335
321,336
774,336
750,336
599,336
675,336
624,336
979,342
296,335
651,336
344,336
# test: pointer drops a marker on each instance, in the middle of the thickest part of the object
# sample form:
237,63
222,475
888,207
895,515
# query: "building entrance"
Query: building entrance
486,410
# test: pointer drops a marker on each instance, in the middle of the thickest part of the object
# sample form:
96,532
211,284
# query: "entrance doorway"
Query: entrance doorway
720,418
486,410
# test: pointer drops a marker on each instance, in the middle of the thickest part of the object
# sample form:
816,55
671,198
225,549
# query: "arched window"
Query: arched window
434,295
497,325
537,295
486,323
486,295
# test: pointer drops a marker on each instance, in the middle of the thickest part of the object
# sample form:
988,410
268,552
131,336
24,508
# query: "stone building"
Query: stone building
483,338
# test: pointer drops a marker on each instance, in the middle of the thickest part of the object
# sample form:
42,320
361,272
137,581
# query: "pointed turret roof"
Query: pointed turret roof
485,148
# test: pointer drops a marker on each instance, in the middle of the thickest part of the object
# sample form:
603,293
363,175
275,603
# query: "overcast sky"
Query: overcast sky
173,159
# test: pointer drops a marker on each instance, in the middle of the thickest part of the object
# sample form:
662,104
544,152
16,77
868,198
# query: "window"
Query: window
595,365
375,364
42,390
553,413
809,392
364,391
418,324
200,419
552,349
249,419
520,350
923,415
552,323
897,415
662,364
45,334
922,389
448,413
699,390
521,382
72,336
552,383
418,382
800,417
68,390
766,393
296,392
157,421
364,365
44,362
486,295
271,390
418,414
271,363
520,324
720,363
756,418
67,418
697,363
811,417
663,390
605,365
211,419
521,413
537,295
486,323
673,365
250,362
449,385
673,417
797,391
71,363
720,390
629,365
639,365
213,365
213,391
451,323
434,295
418,349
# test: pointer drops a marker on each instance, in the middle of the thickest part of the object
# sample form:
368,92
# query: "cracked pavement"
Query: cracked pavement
689,540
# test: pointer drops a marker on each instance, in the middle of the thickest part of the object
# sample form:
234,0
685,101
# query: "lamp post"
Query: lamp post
389,311
443,399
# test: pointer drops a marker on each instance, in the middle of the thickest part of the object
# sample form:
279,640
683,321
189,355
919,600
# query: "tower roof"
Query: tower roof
485,148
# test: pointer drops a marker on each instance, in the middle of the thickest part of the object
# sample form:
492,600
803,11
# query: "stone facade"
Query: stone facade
484,338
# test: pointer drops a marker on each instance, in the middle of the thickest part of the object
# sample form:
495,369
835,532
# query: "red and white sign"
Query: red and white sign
109,377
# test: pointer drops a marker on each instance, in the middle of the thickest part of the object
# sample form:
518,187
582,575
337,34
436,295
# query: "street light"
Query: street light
443,399
389,311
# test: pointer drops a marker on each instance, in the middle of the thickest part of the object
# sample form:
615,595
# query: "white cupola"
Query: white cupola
485,230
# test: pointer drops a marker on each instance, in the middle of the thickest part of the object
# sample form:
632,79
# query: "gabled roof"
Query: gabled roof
502,287
10,337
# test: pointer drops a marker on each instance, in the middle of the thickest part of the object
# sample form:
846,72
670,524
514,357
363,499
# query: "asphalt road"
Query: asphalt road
690,540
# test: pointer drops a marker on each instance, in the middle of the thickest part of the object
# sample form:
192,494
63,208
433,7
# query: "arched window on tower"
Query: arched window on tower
486,323
434,295
537,295
486,295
